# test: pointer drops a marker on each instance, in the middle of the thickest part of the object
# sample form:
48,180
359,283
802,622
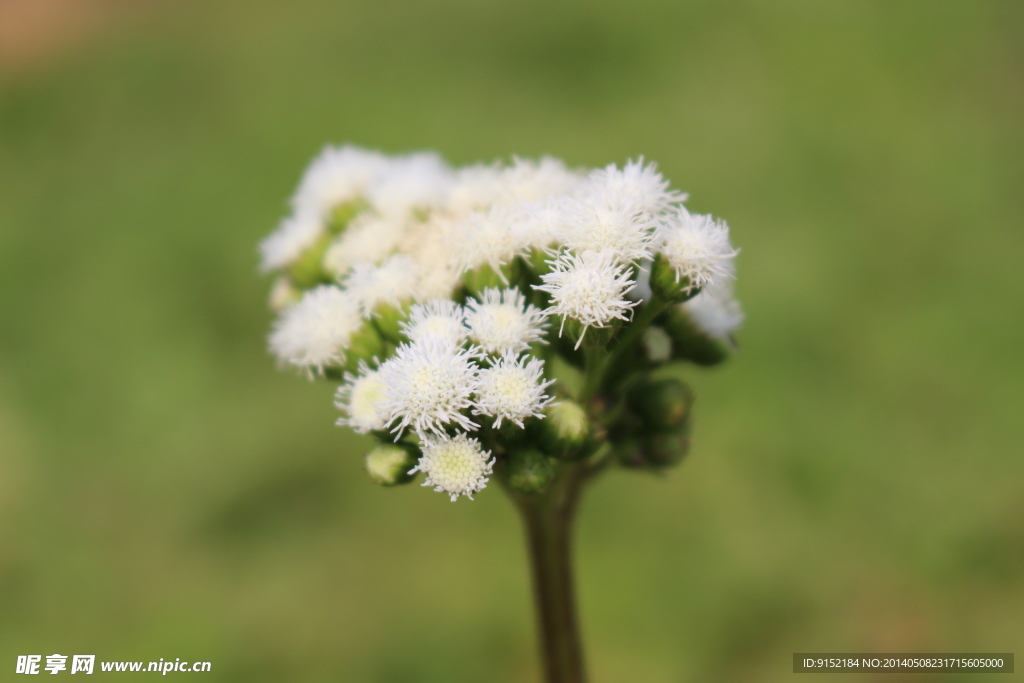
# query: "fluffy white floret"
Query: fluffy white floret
622,229
590,288
411,182
697,247
715,310
337,175
428,385
635,184
457,465
391,283
437,319
527,180
294,235
475,188
501,321
369,238
314,333
512,389
487,238
359,398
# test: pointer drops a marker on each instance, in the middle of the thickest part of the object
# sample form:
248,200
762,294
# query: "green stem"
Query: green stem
598,360
548,519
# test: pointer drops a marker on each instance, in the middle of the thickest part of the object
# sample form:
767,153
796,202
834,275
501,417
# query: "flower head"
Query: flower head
360,398
314,333
636,184
437,319
410,182
512,389
391,283
455,465
501,320
622,229
715,310
294,235
697,248
486,238
337,175
369,238
428,385
590,288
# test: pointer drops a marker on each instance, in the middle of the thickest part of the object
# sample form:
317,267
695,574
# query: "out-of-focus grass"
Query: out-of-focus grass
855,483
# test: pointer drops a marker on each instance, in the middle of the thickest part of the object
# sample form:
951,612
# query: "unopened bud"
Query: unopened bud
529,471
666,450
565,428
342,214
662,404
283,294
389,464
307,271
365,344
667,284
689,342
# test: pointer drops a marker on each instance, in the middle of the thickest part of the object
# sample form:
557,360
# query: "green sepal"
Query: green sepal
307,271
528,471
690,342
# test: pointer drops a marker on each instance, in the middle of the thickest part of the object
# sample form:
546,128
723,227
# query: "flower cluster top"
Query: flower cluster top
442,298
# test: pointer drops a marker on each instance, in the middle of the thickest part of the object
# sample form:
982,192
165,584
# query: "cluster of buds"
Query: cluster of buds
501,319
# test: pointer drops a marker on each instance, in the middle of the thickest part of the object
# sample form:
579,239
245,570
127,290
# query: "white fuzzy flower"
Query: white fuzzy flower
486,238
369,238
635,184
315,332
622,229
428,385
527,180
512,389
360,398
392,283
294,235
337,175
455,465
476,187
697,247
590,288
411,182
715,310
437,319
502,321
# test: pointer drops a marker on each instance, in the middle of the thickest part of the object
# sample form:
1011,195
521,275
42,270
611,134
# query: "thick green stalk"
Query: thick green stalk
548,519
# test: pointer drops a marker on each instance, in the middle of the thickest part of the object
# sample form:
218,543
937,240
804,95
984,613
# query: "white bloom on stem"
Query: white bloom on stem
314,333
501,320
486,238
360,398
476,188
590,287
391,283
369,238
455,465
527,180
294,235
437,319
512,389
697,248
411,182
428,385
635,184
622,229
337,175
715,311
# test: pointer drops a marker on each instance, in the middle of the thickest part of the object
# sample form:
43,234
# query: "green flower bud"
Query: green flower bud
283,294
529,471
665,450
307,271
343,213
661,405
388,320
365,344
666,283
389,464
658,344
689,342
565,428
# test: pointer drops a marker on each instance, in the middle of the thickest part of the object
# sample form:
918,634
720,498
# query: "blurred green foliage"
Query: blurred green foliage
855,481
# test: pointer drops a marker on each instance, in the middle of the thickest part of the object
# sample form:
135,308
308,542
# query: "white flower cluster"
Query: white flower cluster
433,286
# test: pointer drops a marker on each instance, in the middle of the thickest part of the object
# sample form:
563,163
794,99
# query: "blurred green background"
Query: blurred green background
857,480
